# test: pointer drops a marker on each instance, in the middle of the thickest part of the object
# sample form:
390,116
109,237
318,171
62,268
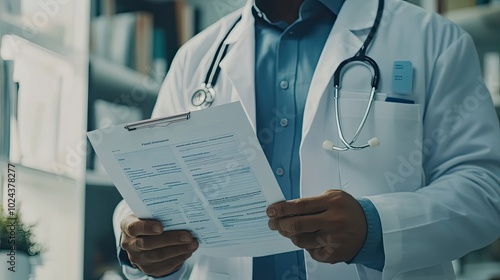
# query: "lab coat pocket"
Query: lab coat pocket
396,165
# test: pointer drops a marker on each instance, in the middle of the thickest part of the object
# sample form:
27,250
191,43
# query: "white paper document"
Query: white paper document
204,172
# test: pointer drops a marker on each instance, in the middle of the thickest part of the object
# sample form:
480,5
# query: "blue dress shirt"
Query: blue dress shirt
286,57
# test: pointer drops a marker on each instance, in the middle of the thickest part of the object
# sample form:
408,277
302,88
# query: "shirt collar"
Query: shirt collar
333,5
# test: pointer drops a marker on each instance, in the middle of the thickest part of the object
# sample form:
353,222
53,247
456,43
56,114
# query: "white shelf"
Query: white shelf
46,41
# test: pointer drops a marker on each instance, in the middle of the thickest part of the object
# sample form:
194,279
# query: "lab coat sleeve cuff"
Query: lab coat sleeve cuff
132,273
372,253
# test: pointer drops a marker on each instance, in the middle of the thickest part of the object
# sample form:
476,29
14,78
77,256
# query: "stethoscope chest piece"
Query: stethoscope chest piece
203,97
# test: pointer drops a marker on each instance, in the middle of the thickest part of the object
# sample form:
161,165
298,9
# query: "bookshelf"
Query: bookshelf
143,35
132,43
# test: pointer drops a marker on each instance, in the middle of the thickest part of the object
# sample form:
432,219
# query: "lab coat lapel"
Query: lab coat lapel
355,15
239,63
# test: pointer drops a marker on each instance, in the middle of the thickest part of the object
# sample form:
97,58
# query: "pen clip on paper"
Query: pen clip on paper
158,121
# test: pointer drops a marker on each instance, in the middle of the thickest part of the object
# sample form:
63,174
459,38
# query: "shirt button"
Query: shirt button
284,122
280,171
284,85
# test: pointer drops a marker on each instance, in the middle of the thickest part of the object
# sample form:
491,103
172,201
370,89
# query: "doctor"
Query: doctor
428,194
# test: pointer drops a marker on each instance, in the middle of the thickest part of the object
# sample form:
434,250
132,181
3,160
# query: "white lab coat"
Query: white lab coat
435,177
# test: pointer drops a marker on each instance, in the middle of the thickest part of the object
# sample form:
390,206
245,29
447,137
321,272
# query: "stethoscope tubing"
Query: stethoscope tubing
360,56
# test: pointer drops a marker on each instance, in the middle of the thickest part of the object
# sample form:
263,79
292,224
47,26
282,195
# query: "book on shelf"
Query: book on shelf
186,21
143,42
125,39
143,36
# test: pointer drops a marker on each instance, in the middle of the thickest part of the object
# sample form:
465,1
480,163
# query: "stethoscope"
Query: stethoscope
359,57
205,96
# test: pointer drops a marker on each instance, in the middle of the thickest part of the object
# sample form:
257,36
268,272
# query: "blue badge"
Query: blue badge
402,78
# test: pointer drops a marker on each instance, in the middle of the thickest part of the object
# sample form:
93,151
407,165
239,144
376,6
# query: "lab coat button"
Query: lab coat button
280,171
284,85
284,122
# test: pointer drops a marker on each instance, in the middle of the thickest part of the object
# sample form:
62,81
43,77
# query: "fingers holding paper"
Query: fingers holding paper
153,251
331,227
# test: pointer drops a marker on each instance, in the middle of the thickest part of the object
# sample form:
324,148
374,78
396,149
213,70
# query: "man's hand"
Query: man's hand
154,252
331,227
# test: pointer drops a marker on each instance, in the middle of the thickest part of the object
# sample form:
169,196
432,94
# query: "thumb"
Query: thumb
134,227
